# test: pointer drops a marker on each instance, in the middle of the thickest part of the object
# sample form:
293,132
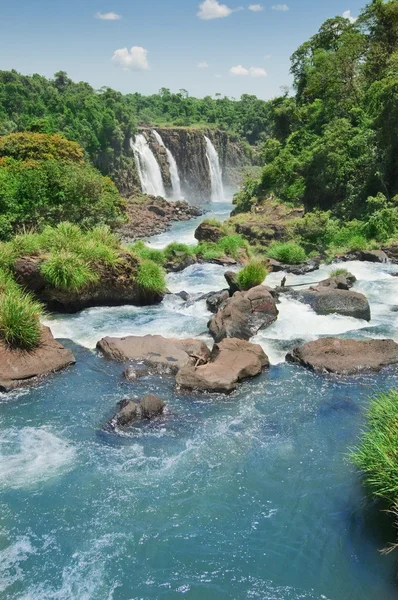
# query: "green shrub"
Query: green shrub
143,251
26,244
67,271
377,453
289,253
65,236
252,274
96,252
213,222
231,244
175,247
209,251
19,315
338,272
150,277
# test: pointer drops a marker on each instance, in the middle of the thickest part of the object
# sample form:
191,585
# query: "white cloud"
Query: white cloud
268,57
203,65
257,72
280,7
256,7
217,76
347,15
239,70
212,9
134,59
110,16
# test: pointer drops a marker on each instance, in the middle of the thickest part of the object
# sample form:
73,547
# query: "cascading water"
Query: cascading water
217,188
148,168
175,178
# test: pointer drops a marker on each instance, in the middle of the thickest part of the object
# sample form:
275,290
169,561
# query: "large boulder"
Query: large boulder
345,357
302,269
116,286
244,315
339,282
231,361
327,301
129,411
375,256
161,355
208,233
19,368
216,300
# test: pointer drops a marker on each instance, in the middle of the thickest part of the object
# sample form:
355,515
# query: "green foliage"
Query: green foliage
176,248
338,272
150,277
289,253
377,453
145,252
252,274
232,244
213,222
67,271
38,146
209,251
19,315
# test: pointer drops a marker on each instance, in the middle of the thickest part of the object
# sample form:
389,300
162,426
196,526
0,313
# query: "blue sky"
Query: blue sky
235,45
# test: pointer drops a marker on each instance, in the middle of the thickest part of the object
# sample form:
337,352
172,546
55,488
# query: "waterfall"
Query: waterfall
174,176
217,189
148,168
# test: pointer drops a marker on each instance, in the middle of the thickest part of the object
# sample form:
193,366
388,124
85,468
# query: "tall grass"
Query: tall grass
252,274
289,253
67,271
150,277
338,272
141,250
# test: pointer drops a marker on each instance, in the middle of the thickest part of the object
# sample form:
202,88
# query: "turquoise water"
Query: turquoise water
242,497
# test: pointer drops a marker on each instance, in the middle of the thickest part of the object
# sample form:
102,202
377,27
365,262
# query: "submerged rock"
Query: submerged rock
148,407
231,361
216,300
345,357
115,287
20,368
244,315
161,355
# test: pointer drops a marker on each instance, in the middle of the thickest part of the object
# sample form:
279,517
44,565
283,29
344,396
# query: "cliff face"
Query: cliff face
188,146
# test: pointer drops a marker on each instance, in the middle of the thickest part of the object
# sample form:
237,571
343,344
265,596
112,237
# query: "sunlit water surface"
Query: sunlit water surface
241,497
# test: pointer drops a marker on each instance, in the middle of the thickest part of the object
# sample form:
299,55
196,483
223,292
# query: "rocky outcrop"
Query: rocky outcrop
159,354
327,301
149,216
340,282
302,269
115,287
269,222
345,357
375,256
20,368
244,315
130,411
391,252
208,233
231,361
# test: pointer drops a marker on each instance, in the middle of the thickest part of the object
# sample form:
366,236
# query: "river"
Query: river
249,496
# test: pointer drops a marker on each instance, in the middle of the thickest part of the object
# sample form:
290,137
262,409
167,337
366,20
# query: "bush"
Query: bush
213,222
143,251
231,244
150,277
289,253
67,271
209,251
377,454
252,274
338,272
19,316
175,247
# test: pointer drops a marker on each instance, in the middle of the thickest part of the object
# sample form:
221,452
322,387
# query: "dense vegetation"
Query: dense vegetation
341,151
44,179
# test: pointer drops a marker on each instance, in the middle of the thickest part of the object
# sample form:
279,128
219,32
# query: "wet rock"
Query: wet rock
345,356
183,295
244,315
375,256
232,280
135,372
179,262
161,355
216,300
326,301
392,252
130,411
208,233
341,282
231,361
151,406
302,269
20,368
115,287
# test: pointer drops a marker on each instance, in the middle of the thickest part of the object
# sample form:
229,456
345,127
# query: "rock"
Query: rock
20,368
148,407
216,300
158,210
375,256
183,295
345,357
115,287
151,406
244,315
341,282
392,252
326,301
163,355
135,372
231,361
208,233
179,262
303,269
232,280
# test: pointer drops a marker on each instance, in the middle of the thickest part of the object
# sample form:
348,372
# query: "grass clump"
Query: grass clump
67,271
289,253
176,248
338,272
252,274
209,251
150,277
377,453
231,244
143,251
213,222
19,315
